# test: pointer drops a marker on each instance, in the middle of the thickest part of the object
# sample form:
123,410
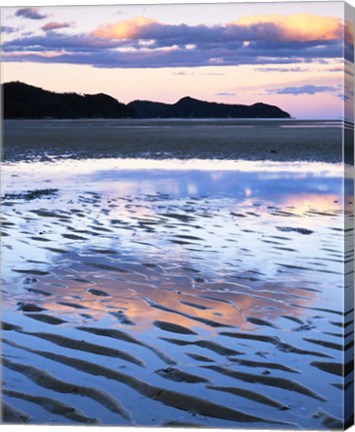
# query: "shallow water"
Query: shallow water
217,281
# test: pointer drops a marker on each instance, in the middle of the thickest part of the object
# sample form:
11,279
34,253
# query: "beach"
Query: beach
277,140
174,273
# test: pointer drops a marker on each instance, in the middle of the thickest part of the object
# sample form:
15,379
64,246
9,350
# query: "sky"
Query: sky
292,55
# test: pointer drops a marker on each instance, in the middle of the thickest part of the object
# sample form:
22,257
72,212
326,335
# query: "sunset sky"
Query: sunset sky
285,54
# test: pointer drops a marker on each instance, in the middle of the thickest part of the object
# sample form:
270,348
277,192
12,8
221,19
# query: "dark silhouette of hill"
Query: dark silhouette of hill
21,100
148,109
188,107
25,101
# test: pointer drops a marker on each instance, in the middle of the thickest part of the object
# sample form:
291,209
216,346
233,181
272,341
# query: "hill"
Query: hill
188,107
25,101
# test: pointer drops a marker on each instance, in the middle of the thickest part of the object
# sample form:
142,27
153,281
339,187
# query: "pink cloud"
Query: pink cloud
282,28
127,29
298,27
57,25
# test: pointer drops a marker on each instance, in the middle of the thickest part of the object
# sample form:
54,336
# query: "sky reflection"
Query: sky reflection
181,253
224,222
237,179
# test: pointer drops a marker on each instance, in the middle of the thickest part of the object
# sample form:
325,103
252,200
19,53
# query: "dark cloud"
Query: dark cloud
59,41
101,58
309,89
335,69
30,13
349,51
277,29
8,29
57,25
160,45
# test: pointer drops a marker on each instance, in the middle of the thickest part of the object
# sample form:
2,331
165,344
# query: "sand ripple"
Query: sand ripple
153,308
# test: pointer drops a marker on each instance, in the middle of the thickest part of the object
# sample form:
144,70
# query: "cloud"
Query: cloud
181,73
281,69
99,52
30,13
128,29
282,28
76,43
309,89
146,43
349,32
225,94
57,25
43,54
335,69
298,27
213,73
8,29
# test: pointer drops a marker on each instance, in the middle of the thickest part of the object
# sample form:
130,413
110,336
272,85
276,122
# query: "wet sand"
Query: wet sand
200,298
277,140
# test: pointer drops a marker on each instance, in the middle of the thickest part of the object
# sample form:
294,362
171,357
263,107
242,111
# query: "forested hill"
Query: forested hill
188,107
26,101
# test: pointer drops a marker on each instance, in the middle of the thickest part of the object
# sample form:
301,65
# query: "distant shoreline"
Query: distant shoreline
21,100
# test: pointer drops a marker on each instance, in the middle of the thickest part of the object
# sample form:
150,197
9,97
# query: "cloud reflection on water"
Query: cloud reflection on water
231,218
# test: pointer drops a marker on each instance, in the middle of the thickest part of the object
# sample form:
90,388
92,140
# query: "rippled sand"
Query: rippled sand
174,297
